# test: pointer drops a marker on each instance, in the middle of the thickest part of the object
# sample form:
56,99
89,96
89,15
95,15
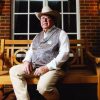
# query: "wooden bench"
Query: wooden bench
81,66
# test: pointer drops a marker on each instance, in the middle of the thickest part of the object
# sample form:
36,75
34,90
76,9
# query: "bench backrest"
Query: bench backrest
13,51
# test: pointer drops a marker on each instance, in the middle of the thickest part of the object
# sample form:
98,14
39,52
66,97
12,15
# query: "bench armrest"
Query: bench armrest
93,58
1,55
98,60
1,61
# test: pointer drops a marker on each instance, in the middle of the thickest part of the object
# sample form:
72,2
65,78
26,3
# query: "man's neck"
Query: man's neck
46,30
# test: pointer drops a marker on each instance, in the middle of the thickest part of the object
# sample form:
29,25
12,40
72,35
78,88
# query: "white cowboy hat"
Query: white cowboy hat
46,10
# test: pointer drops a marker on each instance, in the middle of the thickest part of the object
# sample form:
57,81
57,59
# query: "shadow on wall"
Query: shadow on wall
96,45
2,2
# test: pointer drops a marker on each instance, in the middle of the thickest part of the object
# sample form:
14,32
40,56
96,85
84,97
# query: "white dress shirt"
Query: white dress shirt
63,51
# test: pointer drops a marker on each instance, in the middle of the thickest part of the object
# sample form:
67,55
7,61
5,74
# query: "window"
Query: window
26,25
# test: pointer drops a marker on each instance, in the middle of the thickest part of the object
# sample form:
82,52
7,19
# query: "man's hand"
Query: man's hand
41,70
27,67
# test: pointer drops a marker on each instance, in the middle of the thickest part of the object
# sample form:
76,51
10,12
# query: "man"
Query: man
45,57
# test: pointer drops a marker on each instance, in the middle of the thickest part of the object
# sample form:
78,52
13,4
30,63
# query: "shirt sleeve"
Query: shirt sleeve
29,53
63,54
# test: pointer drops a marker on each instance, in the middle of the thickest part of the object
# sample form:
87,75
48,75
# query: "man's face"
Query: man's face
46,22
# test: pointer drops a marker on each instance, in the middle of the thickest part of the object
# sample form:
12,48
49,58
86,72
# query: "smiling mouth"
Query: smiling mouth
44,23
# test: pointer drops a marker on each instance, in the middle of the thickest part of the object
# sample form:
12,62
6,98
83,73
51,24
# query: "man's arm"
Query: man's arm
27,67
63,52
28,55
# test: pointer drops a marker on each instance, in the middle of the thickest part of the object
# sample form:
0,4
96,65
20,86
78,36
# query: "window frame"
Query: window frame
28,14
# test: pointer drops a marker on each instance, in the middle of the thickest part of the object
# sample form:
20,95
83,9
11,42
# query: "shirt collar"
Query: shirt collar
49,29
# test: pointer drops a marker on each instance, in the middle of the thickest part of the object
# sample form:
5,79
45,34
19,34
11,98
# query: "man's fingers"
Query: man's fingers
37,72
26,70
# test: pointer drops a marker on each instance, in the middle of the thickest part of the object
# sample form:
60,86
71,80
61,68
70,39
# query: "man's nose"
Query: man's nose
45,19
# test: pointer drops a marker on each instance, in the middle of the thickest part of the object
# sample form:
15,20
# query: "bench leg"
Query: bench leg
98,87
98,84
1,91
99,93
3,94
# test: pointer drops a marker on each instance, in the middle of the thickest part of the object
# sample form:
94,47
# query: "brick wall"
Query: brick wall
5,22
90,22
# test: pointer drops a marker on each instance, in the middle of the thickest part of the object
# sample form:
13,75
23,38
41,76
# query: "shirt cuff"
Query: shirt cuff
51,66
28,60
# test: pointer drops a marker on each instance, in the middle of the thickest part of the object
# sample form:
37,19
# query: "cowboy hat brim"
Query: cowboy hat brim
50,13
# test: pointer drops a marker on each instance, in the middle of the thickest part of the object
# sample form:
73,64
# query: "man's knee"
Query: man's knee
44,89
49,93
14,70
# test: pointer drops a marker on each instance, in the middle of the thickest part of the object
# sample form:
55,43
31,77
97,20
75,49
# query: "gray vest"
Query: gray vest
45,50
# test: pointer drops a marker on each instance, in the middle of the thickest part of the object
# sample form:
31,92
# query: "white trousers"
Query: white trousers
45,86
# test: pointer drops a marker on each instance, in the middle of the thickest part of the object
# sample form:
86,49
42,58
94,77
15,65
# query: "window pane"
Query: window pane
72,36
31,37
55,5
35,6
34,24
58,22
20,37
21,6
21,23
69,6
70,23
